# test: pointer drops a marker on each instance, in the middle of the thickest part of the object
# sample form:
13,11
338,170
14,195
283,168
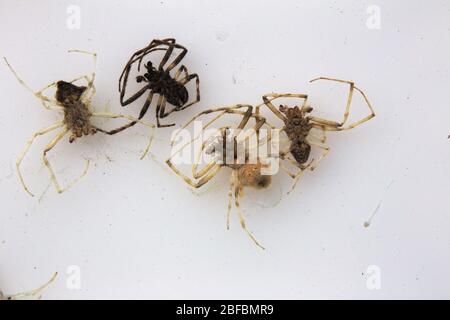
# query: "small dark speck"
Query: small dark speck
4,241
162,198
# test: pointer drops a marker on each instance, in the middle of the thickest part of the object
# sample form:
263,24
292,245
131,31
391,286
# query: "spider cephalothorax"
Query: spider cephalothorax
162,83
76,113
297,127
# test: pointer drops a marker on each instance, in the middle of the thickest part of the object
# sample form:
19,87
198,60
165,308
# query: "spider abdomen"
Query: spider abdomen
77,119
175,93
300,150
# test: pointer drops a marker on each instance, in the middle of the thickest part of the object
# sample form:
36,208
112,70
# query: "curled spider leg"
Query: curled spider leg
222,110
49,147
47,102
237,189
133,120
268,98
338,126
35,292
94,56
195,184
27,147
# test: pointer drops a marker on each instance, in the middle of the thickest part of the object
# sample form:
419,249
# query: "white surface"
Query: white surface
136,231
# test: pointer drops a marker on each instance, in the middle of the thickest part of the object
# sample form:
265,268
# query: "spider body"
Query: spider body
76,113
297,127
171,88
161,82
249,175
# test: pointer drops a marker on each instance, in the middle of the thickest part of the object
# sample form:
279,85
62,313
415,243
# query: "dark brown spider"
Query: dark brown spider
158,80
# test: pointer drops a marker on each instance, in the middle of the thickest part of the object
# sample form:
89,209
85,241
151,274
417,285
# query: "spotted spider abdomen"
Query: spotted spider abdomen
300,150
250,176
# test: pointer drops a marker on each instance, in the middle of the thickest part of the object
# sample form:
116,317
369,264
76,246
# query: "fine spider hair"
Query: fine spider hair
243,174
159,81
35,294
73,102
298,124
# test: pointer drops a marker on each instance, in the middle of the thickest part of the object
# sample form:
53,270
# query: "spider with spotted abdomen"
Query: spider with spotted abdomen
159,81
300,127
298,122
74,103
35,294
233,149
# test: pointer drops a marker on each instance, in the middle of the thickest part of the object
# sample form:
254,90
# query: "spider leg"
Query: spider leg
27,147
138,55
338,126
142,113
49,147
47,102
197,90
94,56
237,188
195,184
230,199
181,69
132,119
34,292
268,98
222,110
160,108
177,60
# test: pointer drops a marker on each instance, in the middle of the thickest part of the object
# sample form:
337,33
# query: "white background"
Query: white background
136,231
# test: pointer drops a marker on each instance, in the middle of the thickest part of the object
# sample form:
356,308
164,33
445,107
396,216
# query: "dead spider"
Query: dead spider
158,80
300,129
298,123
35,294
244,173
74,103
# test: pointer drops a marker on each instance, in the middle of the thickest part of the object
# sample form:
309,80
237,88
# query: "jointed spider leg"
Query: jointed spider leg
177,60
133,119
27,147
338,126
268,98
34,292
160,108
49,147
47,102
142,113
237,189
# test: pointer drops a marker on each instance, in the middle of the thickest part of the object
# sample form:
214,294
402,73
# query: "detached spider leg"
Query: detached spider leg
237,191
